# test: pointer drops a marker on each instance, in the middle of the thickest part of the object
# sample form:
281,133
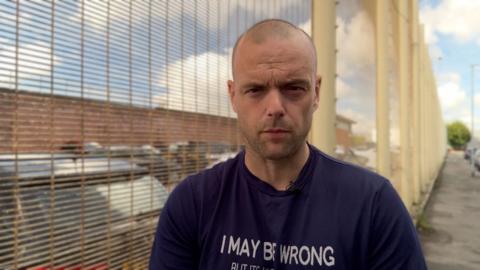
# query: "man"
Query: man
281,203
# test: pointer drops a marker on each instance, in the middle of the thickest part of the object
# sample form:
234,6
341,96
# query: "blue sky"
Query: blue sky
452,30
190,48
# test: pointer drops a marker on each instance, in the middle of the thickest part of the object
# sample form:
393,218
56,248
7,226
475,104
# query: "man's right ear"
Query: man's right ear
231,94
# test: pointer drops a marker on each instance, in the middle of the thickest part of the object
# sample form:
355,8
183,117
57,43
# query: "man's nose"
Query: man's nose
274,103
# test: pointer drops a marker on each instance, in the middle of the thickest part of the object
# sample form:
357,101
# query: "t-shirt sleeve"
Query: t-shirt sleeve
175,244
393,240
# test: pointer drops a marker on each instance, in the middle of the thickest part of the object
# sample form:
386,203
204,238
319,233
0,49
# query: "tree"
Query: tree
358,140
458,134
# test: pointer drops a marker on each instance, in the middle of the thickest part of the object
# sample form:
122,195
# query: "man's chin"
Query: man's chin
277,151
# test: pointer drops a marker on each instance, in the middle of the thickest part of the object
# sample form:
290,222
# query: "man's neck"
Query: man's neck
278,173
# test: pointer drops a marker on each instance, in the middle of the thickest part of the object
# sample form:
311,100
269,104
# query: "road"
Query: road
450,226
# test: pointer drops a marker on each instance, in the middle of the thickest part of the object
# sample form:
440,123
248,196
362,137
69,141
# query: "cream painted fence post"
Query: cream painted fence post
322,134
382,100
421,109
403,88
414,71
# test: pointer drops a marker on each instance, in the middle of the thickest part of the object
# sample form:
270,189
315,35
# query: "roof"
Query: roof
43,165
341,118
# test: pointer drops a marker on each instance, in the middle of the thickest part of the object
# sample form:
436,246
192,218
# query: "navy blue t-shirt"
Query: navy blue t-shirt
336,216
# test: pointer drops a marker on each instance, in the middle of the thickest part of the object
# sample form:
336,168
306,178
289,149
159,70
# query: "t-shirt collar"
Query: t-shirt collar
297,186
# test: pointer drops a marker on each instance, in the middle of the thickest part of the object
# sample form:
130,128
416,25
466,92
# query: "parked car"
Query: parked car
218,158
475,155
471,146
75,211
468,152
364,157
190,155
166,170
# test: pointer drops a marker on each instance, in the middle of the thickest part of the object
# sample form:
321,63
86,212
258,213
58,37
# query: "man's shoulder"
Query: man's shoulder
347,175
211,179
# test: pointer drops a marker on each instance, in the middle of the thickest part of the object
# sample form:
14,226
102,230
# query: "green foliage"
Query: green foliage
423,225
458,134
358,140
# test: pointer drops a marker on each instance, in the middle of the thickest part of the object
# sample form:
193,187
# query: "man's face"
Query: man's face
274,93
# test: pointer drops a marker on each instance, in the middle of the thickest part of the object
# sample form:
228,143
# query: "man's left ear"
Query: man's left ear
316,101
231,94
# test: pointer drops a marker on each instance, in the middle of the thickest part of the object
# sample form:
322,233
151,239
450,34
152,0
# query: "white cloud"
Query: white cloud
458,18
9,18
429,32
261,9
212,12
34,63
307,27
455,102
34,60
205,92
356,45
356,70
364,125
450,92
34,56
435,51
96,13
343,89
477,100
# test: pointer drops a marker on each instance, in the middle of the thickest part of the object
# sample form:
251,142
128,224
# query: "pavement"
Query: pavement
450,224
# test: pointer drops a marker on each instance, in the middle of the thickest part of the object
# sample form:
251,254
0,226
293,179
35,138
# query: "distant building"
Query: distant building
36,122
42,122
343,126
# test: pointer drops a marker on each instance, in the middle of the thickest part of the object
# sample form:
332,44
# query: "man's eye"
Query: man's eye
295,88
253,90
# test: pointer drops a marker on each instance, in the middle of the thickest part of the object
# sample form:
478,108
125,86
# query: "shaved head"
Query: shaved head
272,28
275,90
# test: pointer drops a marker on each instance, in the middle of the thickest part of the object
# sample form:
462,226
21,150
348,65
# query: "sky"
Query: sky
176,56
356,70
452,31
191,75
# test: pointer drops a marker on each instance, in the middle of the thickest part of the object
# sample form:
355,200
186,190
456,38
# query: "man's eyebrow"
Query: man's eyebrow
253,85
296,81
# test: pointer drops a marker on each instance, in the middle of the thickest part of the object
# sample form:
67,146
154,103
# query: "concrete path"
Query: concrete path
450,226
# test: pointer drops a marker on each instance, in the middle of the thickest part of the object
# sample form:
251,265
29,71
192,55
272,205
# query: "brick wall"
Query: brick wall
343,137
31,122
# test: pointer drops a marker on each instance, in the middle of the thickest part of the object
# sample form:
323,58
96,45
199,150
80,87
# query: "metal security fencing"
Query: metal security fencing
104,107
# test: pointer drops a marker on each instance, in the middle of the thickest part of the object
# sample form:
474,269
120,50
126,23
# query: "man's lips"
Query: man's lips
276,134
275,131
